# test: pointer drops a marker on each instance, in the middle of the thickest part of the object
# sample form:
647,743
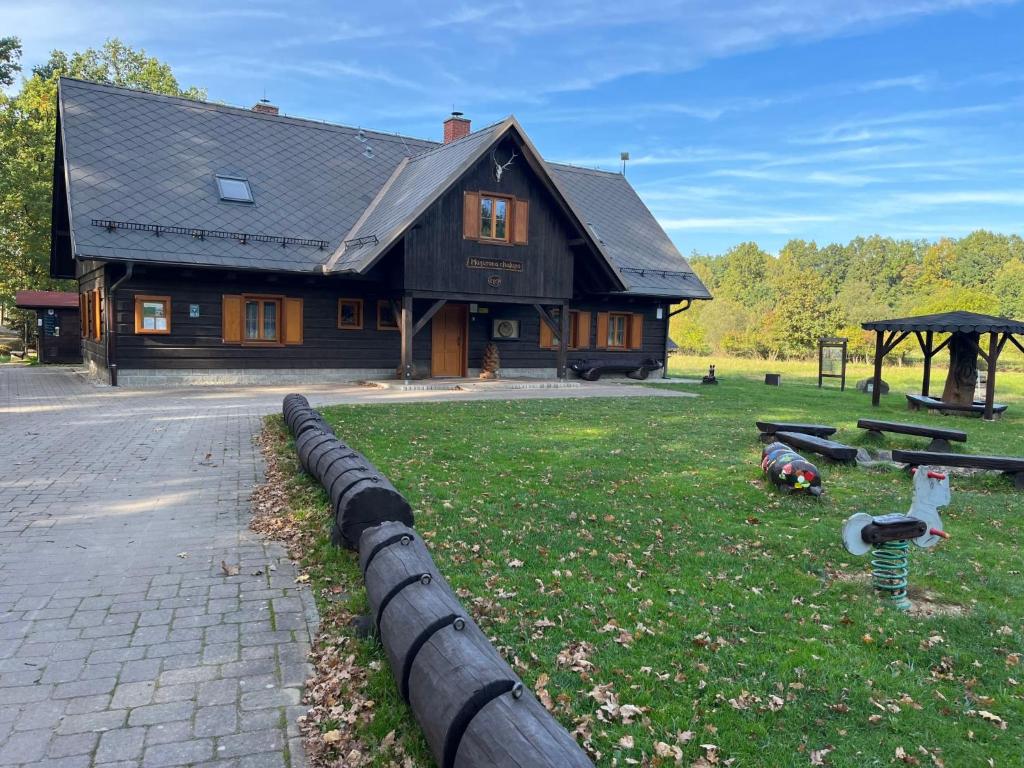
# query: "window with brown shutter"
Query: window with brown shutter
618,330
83,306
601,342
581,330
636,331
471,215
231,319
520,221
97,324
292,321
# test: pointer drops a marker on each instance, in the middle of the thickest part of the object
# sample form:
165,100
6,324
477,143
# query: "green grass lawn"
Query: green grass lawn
638,534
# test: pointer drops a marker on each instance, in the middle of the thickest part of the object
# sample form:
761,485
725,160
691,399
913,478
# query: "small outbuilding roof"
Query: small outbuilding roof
46,300
949,322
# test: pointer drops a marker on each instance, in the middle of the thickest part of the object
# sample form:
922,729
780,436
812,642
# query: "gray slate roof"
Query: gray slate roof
139,157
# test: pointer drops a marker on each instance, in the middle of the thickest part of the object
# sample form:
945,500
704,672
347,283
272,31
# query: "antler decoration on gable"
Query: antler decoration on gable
499,169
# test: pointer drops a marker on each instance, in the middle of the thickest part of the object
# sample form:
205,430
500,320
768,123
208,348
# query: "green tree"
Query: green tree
980,255
10,60
1009,289
28,121
744,277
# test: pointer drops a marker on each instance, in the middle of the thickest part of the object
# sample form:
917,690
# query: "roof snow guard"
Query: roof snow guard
949,322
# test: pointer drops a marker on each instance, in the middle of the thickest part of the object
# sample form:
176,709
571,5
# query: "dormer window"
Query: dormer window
234,189
494,217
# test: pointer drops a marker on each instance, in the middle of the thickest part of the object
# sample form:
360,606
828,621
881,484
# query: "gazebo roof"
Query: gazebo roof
949,322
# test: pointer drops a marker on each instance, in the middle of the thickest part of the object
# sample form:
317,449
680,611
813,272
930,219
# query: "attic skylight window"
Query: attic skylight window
234,189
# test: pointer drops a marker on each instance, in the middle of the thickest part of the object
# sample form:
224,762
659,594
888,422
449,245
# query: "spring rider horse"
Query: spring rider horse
887,536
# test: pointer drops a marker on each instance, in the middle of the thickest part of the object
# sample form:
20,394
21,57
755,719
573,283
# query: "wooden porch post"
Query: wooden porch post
876,387
563,340
990,385
405,325
926,381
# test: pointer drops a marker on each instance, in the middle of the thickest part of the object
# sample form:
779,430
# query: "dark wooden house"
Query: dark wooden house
58,327
216,244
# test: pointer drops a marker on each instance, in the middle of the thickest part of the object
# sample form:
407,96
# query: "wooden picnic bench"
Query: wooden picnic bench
941,437
827,448
1009,465
917,402
769,428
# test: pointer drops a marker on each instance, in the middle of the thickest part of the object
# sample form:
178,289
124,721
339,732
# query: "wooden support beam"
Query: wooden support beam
1013,340
404,315
990,385
668,318
942,346
926,347
876,388
544,316
434,308
895,339
563,341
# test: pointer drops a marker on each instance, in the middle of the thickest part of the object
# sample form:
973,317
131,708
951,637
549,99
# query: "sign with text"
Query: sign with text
507,265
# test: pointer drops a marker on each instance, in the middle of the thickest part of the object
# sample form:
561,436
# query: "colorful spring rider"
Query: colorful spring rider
888,536
789,471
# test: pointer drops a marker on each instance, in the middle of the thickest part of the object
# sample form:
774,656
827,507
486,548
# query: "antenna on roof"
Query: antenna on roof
624,157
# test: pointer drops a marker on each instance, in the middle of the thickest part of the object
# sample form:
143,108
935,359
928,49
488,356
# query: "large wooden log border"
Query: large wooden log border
361,497
473,709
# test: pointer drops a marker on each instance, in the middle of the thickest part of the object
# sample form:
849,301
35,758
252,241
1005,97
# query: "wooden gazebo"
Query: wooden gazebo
965,330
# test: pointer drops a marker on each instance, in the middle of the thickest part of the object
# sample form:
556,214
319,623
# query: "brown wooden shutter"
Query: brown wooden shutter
97,325
636,331
582,330
520,221
83,306
293,321
471,215
547,337
601,342
231,319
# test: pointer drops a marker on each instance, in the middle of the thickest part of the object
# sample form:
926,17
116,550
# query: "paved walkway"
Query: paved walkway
122,641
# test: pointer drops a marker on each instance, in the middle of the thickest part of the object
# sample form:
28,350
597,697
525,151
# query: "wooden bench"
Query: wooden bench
769,428
633,367
917,402
821,446
1008,465
940,436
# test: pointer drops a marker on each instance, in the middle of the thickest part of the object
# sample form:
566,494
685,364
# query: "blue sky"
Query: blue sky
744,120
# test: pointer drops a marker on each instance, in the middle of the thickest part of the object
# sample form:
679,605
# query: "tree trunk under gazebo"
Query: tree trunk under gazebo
963,369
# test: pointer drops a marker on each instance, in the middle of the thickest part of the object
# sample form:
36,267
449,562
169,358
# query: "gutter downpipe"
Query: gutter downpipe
112,322
668,318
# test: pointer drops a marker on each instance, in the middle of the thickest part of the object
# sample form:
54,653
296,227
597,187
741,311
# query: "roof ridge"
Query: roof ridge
474,134
583,169
307,122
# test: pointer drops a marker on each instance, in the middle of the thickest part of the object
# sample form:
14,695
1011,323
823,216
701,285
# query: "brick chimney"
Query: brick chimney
455,128
263,106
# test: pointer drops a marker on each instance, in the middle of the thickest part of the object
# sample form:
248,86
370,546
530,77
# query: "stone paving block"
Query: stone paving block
73,744
219,720
177,753
122,744
131,695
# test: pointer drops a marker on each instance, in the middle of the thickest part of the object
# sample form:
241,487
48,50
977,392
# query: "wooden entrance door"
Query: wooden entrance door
448,341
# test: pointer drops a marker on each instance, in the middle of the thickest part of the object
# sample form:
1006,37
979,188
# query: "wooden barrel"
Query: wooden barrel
514,730
375,539
453,676
319,450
